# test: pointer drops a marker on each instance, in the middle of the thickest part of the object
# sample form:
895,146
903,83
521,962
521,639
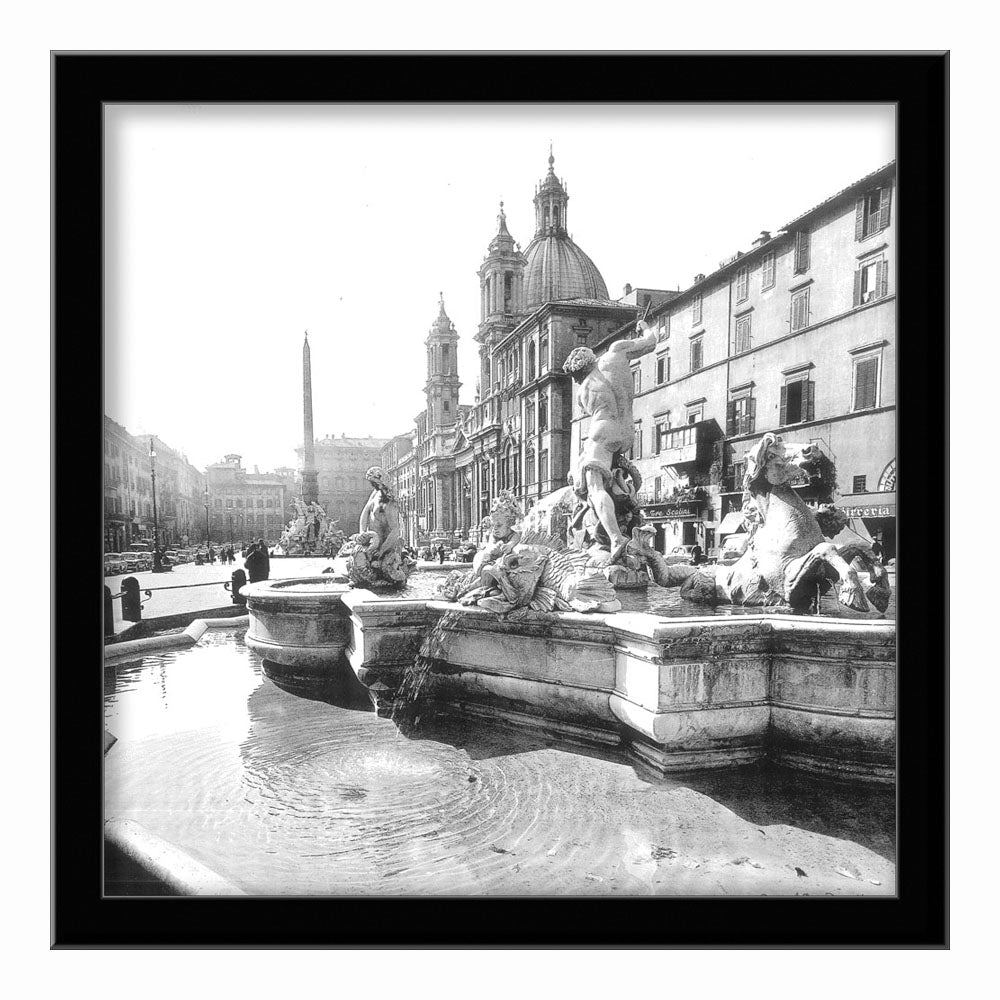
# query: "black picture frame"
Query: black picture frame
82,83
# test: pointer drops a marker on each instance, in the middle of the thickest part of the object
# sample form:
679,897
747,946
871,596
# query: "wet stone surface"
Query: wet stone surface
287,796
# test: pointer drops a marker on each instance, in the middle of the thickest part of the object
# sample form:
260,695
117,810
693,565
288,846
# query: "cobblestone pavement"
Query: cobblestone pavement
199,598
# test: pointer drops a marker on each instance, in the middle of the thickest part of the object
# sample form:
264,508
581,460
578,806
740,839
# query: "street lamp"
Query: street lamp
157,566
207,536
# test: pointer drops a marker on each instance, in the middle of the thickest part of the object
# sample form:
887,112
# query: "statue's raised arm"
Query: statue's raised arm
638,346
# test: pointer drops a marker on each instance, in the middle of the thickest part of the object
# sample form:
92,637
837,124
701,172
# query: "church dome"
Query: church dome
558,269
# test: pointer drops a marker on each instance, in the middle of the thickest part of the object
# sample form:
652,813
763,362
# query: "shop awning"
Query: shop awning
854,532
733,521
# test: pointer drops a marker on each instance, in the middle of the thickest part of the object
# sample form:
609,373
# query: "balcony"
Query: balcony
686,446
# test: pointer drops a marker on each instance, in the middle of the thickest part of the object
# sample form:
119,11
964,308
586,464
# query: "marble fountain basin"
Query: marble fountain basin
680,694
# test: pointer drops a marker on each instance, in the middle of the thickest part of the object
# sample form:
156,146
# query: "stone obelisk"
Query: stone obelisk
310,489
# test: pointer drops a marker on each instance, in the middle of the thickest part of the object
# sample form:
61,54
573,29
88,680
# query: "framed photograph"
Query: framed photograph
496,465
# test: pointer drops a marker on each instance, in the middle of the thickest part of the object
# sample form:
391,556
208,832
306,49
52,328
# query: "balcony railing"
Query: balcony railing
684,445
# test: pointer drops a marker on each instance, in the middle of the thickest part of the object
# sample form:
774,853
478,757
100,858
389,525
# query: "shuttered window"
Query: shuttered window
740,414
663,369
865,383
637,441
742,284
872,212
697,354
797,402
636,381
742,334
871,281
801,251
767,272
696,310
543,467
543,413
529,468
800,309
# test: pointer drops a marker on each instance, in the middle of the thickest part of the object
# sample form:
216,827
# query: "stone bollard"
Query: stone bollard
239,580
131,604
109,613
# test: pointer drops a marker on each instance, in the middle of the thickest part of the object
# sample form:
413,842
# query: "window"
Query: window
636,381
742,284
695,413
797,402
529,417
660,436
229,503
218,502
767,272
663,327
447,406
697,354
866,372
740,415
800,309
657,487
696,310
260,501
872,213
663,368
636,451
543,413
444,352
543,353
743,333
529,467
531,360
801,251
871,281
543,466
860,484
269,502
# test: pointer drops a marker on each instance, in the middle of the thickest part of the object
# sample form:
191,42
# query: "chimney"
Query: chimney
628,289
697,278
764,237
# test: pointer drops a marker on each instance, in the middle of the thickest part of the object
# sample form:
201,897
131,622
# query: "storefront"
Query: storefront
678,523
877,513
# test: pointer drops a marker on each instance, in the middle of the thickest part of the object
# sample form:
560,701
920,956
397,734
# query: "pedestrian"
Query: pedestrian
696,555
254,564
211,555
877,551
262,545
441,553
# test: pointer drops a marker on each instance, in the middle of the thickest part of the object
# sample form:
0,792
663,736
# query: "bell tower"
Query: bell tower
501,291
442,371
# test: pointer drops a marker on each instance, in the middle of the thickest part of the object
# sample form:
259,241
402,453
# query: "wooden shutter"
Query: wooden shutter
731,418
859,219
752,415
865,373
883,209
783,413
857,287
801,251
882,278
810,400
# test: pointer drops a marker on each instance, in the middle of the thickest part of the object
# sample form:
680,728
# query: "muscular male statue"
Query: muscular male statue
606,397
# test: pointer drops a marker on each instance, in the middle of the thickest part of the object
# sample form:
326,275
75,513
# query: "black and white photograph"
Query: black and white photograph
496,465
493,509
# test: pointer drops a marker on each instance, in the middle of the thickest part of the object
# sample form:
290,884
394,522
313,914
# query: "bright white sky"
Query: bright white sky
231,230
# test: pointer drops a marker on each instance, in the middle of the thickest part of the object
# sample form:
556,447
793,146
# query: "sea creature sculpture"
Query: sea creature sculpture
535,571
374,558
788,562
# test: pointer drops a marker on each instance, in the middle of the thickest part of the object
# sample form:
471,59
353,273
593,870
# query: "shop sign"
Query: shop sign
687,508
879,510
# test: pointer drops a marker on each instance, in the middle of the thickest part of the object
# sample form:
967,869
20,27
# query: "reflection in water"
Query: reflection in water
285,795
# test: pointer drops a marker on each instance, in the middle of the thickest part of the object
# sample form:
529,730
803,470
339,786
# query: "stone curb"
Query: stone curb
132,648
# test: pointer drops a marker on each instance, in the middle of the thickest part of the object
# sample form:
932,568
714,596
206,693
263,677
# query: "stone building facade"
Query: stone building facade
341,464
244,505
796,336
128,491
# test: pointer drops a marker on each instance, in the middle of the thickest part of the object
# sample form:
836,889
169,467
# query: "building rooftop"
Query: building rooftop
885,169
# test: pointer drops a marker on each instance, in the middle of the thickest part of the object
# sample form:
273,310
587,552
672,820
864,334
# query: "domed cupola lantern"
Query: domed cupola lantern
557,268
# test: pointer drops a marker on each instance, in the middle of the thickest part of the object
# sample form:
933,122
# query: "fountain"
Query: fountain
535,633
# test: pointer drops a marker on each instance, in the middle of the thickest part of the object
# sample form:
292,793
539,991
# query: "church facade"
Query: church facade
536,306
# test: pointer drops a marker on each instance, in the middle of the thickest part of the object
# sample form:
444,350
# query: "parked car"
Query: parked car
733,547
465,552
680,555
171,557
113,563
